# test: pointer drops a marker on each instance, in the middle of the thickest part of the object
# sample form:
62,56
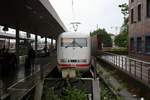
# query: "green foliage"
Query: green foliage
119,51
105,37
72,93
106,93
49,94
121,40
124,9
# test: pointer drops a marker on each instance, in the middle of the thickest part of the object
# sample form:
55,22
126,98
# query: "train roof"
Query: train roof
73,34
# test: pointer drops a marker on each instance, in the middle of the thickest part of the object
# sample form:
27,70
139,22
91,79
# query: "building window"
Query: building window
132,44
132,16
132,1
139,12
139,44
148,8
147,44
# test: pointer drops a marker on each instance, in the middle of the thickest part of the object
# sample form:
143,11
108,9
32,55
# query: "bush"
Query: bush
72,93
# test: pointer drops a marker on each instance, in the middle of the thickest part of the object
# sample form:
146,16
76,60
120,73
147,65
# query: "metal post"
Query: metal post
51,43
56,43
126,63
17,44
141,69
42,72
36,40
122,62
129,65
28,35
114,60
148,75
135,68
119,62
46,43
28,43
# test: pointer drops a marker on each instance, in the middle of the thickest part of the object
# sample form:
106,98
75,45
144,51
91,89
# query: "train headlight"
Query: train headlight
63,60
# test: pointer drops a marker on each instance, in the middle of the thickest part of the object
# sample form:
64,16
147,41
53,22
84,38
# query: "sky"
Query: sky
92,14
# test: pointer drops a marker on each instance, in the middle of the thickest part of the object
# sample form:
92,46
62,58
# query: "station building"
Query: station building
139,29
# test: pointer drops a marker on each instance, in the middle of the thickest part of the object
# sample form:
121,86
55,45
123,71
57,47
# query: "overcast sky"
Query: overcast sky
90,13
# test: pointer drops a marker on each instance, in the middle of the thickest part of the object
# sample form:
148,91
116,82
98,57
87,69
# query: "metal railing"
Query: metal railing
138,69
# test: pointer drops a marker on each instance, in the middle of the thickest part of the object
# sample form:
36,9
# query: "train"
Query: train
74,53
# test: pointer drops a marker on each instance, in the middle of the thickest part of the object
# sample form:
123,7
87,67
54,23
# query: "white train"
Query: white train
73,53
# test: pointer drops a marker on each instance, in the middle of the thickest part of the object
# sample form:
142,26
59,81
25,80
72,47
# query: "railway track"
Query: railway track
87,83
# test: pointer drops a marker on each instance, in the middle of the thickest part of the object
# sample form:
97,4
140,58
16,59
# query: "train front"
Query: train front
73,54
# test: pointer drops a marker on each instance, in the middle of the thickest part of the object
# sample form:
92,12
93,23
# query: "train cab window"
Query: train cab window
80,42
66,42
73,42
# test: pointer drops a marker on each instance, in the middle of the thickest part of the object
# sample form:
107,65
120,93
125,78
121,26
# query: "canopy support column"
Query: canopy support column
46,43
17,44
36,40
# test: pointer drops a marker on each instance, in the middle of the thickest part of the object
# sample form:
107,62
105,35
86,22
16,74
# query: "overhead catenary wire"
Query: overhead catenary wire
74,24
73,13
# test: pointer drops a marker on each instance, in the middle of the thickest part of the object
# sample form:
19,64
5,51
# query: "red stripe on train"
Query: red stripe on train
82,65
73,65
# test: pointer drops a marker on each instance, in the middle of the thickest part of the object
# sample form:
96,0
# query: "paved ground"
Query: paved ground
12,78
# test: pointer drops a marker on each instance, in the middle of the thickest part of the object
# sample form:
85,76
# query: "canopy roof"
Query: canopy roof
33,16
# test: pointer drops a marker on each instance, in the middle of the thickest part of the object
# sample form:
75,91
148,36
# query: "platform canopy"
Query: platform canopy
33,16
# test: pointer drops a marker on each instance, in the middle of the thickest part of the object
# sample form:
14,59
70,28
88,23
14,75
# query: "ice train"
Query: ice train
73,53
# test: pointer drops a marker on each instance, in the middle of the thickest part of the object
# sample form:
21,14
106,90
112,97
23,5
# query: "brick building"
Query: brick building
139,29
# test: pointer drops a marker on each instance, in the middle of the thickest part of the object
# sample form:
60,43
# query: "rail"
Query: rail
135,68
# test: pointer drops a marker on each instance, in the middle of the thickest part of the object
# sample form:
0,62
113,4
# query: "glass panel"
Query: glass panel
139,44
132,44
81,42
66,42
74,42
148,44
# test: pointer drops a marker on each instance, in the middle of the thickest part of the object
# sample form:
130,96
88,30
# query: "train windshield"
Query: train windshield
74,42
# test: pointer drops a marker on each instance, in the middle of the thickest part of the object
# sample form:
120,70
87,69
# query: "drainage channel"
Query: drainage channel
125,86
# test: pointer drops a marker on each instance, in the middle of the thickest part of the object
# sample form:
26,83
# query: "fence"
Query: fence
138,69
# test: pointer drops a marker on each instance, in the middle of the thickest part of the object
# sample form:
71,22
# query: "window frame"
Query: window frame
148,8
74,45
139,49
146,51
139,12
132,16
132,44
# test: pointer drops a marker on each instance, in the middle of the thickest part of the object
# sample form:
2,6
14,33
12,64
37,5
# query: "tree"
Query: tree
105,37
121,40
124,10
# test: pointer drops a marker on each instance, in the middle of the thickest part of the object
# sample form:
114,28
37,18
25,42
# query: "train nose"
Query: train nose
73,60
